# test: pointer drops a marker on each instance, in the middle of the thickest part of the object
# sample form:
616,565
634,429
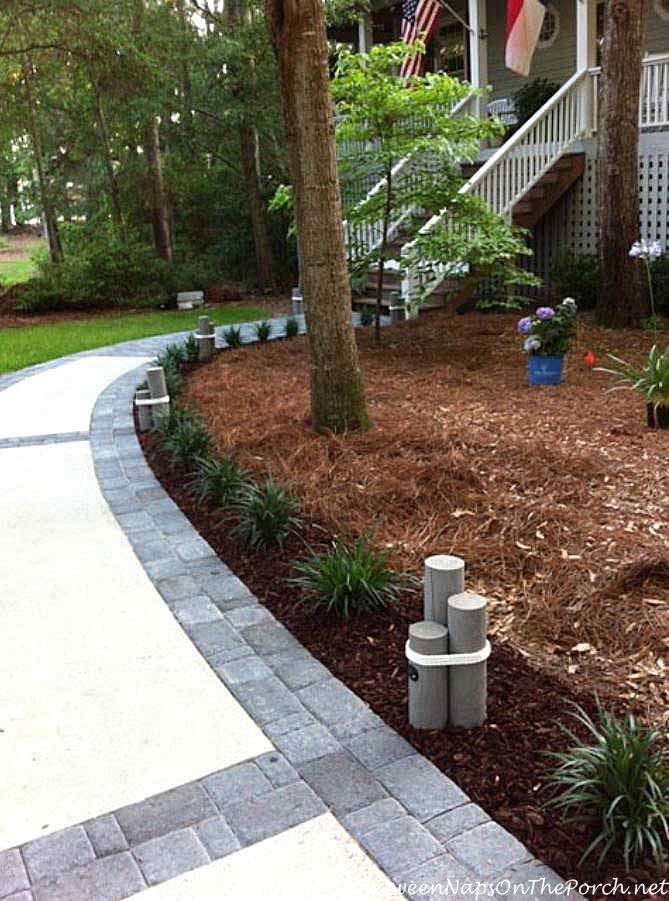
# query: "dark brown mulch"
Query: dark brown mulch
501,766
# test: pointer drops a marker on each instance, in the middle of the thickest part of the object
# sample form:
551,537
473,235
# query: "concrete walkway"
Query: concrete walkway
160,733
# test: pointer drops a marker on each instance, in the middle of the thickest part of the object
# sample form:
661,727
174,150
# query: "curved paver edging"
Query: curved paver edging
332,750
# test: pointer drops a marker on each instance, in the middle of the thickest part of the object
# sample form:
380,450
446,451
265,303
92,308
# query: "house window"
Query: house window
550,28
451,50
662,9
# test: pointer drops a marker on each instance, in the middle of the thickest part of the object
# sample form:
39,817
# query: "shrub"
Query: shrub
367,315
263,330
577,276
191,349
531,97
292,327
219,481
349,580
173,357
620,783
266,514
166,424
233,336
186,441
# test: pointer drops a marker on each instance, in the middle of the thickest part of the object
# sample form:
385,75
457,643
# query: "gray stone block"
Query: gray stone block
172,523
400,844
177,588
198,609
135,522
331,701
13,876
488,849
533,881
148,551
253,821
442,877
246,669
166,812
56,853
217,837
212,638
238,783
423,789
361,821
342,783
20,896
242,617
458,820
267,700
170,855
194,549
287,724
219,660
165,569
377,748
160,506
308,743
269,638
108,879
297,668
277,769
106,836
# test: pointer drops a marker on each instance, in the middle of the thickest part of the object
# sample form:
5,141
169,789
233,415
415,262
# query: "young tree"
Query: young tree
412,125
622,298
297,33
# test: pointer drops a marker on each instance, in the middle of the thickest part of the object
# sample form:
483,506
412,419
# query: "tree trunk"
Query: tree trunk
114,195
297,32
5,212
257,208
622,299
160,212
50,219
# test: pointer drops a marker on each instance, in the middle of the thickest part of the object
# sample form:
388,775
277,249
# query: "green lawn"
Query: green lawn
27,346
16,271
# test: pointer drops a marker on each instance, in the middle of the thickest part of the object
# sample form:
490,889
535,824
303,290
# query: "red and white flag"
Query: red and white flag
419,21
524,19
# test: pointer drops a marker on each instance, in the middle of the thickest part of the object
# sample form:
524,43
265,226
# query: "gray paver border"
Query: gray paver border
354,764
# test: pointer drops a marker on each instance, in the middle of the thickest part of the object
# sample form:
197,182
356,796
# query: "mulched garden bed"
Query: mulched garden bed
554,497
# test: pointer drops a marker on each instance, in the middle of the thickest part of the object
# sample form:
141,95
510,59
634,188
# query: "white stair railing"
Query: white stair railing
363,238
510,173
653,92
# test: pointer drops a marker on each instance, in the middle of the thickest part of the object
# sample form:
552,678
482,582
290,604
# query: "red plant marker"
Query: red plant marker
589,359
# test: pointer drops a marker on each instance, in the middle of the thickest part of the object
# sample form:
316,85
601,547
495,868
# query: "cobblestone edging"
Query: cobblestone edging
332,752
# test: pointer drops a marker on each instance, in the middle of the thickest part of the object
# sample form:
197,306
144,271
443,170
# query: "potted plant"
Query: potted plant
651,380
547,335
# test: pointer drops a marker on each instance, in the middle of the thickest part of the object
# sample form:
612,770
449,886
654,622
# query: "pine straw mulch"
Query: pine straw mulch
557,499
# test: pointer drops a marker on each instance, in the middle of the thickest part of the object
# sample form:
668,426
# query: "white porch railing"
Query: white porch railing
363,238
512,171
653,93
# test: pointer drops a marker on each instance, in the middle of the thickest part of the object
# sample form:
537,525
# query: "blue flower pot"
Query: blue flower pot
544,370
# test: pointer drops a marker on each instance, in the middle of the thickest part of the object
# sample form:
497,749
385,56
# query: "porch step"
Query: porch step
548,190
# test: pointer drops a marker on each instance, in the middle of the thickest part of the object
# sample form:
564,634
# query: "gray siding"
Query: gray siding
557,62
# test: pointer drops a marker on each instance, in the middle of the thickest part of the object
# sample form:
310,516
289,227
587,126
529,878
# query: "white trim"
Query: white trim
468,659
151,401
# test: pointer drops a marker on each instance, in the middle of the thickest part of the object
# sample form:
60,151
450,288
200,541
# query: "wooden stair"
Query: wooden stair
548,190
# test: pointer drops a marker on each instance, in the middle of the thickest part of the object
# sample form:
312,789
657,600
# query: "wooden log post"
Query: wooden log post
144,414
428,685
206,339
155,377
467,684
444,576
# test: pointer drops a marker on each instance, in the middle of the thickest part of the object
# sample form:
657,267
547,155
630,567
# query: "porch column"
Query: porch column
478,51
365,34
586,54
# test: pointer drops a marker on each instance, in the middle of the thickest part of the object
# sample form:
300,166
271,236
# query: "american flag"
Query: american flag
419,20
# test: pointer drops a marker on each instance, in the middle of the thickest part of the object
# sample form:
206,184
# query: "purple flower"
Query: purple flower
544,313
524,325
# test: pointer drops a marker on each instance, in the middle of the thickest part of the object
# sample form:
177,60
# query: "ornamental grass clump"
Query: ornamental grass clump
187,441
349,580
266,514
650,380
618,782
233,337
219,481
192,350
263,331
549,332
292,327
